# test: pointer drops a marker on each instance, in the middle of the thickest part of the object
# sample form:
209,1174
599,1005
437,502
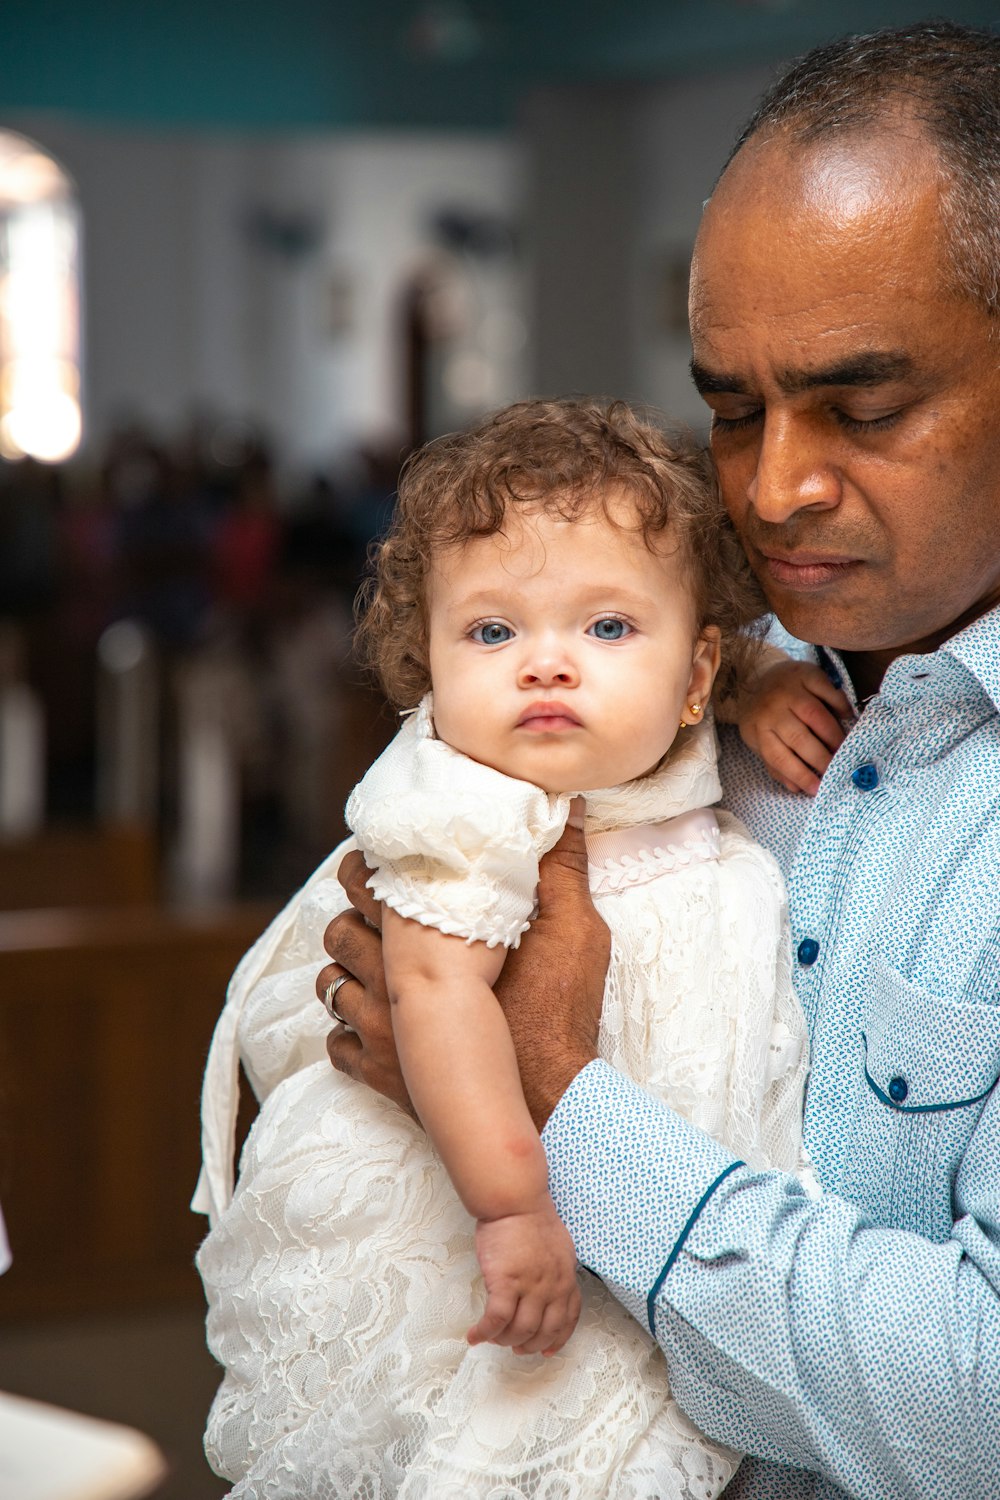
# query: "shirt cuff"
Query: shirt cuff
629,1178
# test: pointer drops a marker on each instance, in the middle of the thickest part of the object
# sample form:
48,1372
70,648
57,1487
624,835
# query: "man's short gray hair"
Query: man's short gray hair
945,76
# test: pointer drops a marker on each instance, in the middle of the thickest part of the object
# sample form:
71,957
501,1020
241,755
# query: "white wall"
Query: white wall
581,195
183,309
616,179
683,133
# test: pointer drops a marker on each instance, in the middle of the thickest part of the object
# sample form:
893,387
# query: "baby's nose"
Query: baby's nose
548,665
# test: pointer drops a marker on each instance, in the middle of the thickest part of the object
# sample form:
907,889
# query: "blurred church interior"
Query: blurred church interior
250,257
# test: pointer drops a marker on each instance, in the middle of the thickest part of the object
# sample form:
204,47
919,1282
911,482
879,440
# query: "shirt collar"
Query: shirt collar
976,648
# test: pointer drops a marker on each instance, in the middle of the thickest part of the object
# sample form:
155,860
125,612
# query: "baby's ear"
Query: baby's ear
705,663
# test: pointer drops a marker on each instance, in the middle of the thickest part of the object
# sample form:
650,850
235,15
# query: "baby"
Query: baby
551,608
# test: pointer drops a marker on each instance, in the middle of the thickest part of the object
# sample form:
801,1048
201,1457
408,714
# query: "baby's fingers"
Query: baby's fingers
820,685
557,1325
498,1316
787,766
800,740
524,1326
819,721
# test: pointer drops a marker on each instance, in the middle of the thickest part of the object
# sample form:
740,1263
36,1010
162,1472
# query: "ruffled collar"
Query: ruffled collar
687,778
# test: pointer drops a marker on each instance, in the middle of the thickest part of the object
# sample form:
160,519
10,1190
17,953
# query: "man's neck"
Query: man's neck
866,670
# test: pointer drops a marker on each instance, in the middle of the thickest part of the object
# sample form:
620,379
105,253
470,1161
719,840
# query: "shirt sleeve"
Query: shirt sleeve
453,844
793,1328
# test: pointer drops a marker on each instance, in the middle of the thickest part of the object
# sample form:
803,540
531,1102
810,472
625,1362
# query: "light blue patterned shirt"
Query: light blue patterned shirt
856,1337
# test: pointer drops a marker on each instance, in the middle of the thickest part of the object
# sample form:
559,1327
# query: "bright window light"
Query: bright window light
39,305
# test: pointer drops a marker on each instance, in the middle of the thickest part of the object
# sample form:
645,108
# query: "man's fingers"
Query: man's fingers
353,876
345,1052
564,887
338,1007
354,946
368,1055
565,865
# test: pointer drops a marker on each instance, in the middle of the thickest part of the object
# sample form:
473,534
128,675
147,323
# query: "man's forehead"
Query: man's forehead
843,173
831,233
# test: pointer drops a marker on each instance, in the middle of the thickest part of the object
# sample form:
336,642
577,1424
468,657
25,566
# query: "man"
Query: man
844,323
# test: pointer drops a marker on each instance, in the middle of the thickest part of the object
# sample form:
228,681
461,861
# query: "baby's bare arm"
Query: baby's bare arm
551,989
459,1065
461,1072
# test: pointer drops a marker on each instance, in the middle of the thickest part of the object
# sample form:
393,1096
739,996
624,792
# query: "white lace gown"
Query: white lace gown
341,1275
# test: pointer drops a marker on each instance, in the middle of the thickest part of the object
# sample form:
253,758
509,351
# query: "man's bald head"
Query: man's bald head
940,77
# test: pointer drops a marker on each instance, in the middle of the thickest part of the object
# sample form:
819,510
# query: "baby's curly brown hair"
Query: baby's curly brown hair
562,457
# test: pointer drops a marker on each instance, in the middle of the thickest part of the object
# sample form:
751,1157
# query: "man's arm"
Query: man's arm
792,1328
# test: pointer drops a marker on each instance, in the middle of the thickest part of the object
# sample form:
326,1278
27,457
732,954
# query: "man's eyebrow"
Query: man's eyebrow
874,368
858,369
714,382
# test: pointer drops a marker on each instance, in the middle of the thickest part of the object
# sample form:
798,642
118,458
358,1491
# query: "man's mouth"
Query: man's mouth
805,570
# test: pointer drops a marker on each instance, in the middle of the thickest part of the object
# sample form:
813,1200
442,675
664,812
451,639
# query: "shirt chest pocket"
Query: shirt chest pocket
926,1067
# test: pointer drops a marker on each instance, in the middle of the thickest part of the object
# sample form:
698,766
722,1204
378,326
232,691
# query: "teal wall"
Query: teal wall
318,63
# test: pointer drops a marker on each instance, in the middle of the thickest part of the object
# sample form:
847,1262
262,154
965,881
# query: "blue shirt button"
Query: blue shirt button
898,1090
865,777
808,951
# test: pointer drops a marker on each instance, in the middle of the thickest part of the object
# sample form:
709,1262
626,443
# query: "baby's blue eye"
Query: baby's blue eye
610,629
492,633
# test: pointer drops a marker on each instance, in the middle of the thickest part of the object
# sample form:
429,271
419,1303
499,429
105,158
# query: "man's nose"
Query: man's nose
548,663
795,471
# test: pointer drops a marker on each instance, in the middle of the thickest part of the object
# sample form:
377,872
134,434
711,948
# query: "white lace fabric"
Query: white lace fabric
341,1276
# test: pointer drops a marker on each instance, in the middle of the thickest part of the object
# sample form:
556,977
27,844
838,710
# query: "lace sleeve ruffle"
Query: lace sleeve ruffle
454,844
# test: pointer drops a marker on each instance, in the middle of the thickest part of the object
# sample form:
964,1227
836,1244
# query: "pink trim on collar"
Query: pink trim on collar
632,856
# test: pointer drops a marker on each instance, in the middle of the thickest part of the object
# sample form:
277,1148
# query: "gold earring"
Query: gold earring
696,708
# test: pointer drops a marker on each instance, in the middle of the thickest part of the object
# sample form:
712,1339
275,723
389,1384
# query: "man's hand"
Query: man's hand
363,1047
551,987
791,718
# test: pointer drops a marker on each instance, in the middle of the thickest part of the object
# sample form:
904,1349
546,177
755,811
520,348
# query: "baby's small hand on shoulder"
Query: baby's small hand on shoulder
791,717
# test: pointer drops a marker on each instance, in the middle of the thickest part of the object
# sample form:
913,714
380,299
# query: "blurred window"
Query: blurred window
39,304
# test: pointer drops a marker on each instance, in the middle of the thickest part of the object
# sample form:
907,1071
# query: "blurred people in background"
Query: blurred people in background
228,566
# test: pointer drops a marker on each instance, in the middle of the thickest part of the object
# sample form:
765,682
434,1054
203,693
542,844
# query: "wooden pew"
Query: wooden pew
105,1020
79,866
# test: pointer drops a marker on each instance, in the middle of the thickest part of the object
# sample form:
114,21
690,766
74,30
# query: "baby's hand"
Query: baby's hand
529,1266
790,718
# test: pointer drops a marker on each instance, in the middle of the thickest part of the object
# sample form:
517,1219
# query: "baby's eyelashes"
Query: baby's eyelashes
491,633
